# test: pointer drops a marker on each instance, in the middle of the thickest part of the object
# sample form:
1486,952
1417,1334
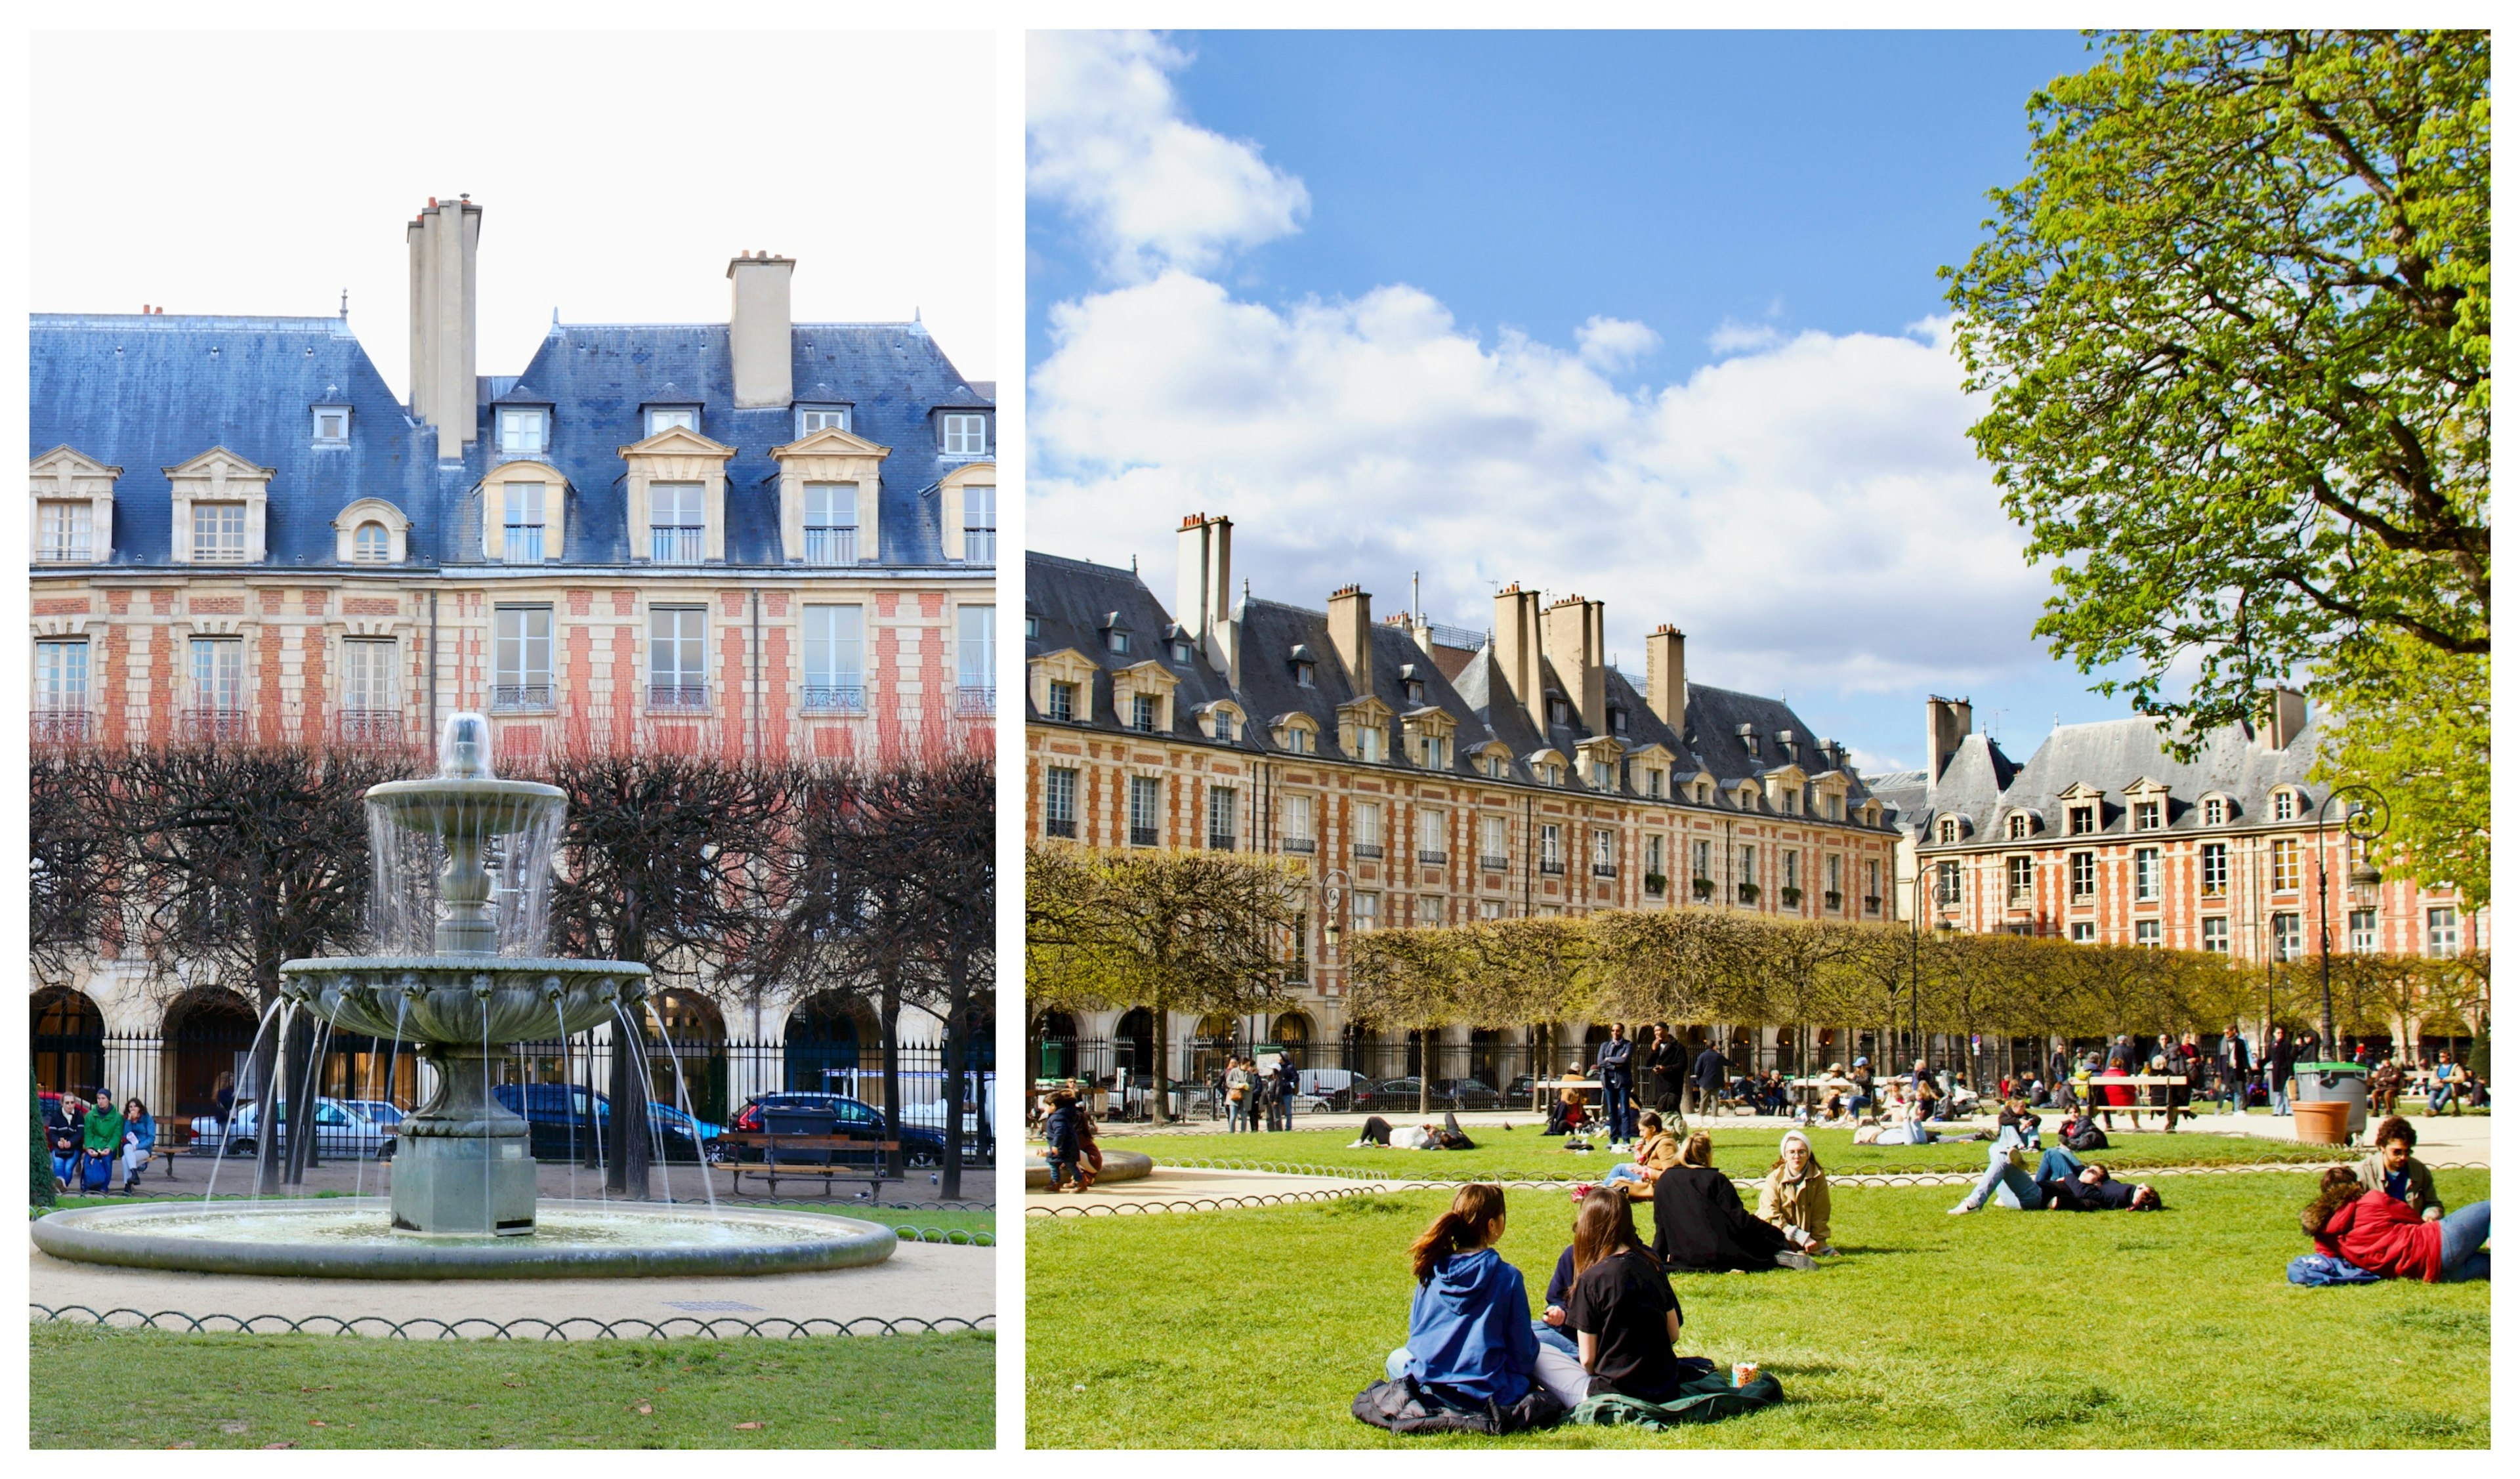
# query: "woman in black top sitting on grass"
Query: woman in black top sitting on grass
1700,1224
1621,1308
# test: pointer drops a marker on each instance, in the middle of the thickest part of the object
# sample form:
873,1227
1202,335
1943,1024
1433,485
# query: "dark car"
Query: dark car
920,1144
558,1123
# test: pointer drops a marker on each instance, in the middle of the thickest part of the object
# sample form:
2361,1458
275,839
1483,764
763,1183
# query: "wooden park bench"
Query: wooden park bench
824,1157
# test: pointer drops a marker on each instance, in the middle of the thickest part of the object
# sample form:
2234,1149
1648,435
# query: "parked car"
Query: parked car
339,1130
558,1121
1336,1088
1466,1093
920,1144
385,1112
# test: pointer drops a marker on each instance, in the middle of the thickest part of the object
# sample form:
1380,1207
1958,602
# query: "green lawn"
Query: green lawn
940,1224
1523,1155
144,1389
2004,1329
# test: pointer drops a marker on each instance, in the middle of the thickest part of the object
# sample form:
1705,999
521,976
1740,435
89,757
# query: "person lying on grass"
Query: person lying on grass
1624,1316
2374,1231
2394,1169
2092,1189
1700,1224
1447,1136
2008,1186
1657,1150
1470,1322
1794,1197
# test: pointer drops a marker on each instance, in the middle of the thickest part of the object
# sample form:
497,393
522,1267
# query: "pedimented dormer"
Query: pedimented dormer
1063,685
2085,809
1365,729
1828,795
829,483
1599,760
677,495
2147,803
219,501
73,519
1651,769
1427,732
1141,697
1786,787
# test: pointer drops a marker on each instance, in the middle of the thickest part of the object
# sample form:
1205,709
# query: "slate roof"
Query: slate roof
1073,603
1983,785
149,392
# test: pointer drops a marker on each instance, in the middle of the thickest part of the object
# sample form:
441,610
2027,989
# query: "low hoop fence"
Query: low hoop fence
575,1328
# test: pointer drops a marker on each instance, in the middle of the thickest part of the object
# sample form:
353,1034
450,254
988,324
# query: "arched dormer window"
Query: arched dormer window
2217,811
371,531
2285,804
368,543
1948,830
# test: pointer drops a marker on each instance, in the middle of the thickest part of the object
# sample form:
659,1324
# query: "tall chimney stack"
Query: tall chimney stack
757,331
1202,588
2287,715
1352,635
1947,724
445,240
1571,631
1667,677
1517,652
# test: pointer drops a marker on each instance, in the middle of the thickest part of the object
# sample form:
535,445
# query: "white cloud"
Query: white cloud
1106,139
1614,343
1811,511
1733,337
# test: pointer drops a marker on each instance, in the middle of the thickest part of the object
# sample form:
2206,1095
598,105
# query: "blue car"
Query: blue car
920,1144
558,1122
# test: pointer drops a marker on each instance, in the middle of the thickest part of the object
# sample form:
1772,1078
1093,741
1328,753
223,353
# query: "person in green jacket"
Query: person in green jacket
104,1137
2394,1169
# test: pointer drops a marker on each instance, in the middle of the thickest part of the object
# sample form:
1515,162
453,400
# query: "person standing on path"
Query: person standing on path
1618,1083
2278,1073
2236,1068
1287,1087
1668,1061
1237,1096
1708,1073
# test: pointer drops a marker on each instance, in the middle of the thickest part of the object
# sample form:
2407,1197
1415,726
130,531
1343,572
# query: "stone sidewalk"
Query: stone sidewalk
190,1177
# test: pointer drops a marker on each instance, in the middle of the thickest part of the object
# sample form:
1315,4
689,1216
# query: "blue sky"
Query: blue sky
1644,317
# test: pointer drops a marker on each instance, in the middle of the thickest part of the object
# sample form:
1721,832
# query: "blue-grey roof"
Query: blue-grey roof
1982,785
149,392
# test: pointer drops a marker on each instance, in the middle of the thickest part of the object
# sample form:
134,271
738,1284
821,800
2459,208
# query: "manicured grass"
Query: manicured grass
1523,1155
981,1220
2002,1329
145,1389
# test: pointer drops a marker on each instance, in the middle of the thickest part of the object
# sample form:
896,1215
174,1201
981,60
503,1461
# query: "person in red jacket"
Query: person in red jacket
2377,1232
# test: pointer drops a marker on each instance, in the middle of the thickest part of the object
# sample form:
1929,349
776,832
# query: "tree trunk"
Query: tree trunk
949,1183
625,1130
266,1076
891,1025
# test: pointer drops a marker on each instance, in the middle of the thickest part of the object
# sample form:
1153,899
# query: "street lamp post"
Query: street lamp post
1915,963
2365,820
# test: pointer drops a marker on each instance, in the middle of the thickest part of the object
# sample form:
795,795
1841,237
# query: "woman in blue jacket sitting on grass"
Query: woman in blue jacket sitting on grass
1470,1322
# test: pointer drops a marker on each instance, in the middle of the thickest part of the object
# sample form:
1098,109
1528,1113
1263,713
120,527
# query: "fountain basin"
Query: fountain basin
463,999
350,1238
466,806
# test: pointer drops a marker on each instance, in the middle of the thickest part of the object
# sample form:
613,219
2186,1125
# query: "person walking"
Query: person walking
1616,1058
2234,1060
1708,1074
1668,1061
1065,1147
2278,1073
1287,1088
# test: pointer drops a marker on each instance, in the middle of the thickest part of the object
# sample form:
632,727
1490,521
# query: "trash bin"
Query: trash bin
2347,1084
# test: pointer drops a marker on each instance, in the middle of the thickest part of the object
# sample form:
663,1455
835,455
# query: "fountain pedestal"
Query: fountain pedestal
465,1164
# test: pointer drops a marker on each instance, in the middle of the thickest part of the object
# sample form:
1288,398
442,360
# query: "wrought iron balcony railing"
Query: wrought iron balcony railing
971,698
685,697
1365,851
1495,862
520,696
1296,845
676,544
61,726
831,546
371,726
835,699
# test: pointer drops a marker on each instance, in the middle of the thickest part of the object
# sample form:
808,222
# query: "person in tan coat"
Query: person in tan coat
1794,1197
1657,1149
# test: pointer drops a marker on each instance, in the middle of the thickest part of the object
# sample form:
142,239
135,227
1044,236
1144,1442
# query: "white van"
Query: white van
1336,1088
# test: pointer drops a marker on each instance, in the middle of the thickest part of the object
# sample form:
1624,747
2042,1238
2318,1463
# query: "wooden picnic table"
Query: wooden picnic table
2137,1081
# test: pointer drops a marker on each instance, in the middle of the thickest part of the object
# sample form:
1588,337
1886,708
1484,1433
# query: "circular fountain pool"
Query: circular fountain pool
351,1237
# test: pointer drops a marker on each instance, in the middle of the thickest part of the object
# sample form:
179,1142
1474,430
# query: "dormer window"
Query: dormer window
1414,690
66,531
2016,826
2147,816
2082,820
1557,712
1950,829
1749,741
520,524
671,418
331,426
813,419
2216,813
1032,626
964,434
979,523
2283,806
1430,751
1302,657
677,524
524,430
1142,713
1181,649
1618,721
1062,702
1116,640
371,543
218,532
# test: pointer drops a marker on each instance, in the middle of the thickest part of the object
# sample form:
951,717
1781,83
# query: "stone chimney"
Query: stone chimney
1352,635
757,331
1947,724
1571,631
2287,715
1517,653
1202,587
1667,678
445,241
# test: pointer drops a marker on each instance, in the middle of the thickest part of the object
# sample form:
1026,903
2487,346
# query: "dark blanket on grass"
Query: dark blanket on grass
1410,1406
1711,1398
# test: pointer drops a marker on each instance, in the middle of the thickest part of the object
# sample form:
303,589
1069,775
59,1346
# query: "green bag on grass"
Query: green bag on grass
1711,1398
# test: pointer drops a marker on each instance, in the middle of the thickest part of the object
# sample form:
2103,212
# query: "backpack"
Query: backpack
98,1174
1407,1405
2318,1271
2083,1133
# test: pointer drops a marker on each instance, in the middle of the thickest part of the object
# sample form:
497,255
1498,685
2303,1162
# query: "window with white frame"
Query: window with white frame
831,523
1836,869
2213,870
2016,826
670,418
60,676
2082,873
1368,841
521,657
2082,933
2362,931
975,675
1369,743
1492,853
980,524
1792,857
524,430
2081,821
835,659
331,426
1062,701
371,543
65,530
677,524
2287,936
1950,829
813,419
677,657
1871,885
965,435
1700,860
1749,866
2147,933
1145,811
1492,909
1605,853
2147,816
1296,826
1431,836
2283,807
218,531
2148,872
1947,884
1142,713
367,677
2216,814
1551,861
1365,913
1430,911
1223,809
2441,933
1653,861
1058,802
521,525
2283,864
2214,931
218,674
1430,751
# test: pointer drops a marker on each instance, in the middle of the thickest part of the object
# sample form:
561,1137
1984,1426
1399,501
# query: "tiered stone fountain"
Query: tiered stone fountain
462,1201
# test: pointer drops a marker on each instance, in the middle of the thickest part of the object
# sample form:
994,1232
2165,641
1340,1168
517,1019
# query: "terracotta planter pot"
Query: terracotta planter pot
2321,1123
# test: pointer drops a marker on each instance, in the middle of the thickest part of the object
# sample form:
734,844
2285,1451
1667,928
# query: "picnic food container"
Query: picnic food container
1744,1372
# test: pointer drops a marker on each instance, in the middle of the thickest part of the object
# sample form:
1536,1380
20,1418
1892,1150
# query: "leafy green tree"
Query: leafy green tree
2233,330
2421,734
